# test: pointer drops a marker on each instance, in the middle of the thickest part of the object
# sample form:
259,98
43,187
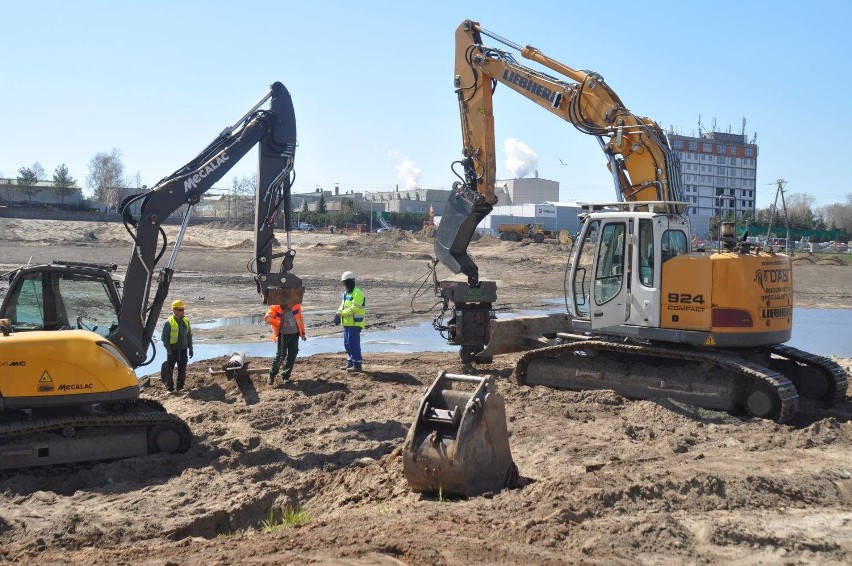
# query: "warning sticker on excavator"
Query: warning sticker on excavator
710,341
45,378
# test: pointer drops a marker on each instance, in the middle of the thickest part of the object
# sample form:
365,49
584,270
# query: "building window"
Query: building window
733,151
720,170
721,149
749,152
732,161
693,146
732,172
678,144
707,147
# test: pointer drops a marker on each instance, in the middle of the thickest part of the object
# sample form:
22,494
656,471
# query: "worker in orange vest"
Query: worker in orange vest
288,327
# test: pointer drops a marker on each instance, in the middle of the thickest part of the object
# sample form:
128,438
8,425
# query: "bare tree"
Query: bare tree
106,177
28,181
63,183
244,190
839,215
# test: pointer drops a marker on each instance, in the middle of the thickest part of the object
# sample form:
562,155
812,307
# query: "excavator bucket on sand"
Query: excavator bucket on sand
459,444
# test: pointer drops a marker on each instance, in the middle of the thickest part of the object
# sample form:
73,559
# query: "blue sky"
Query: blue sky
372,80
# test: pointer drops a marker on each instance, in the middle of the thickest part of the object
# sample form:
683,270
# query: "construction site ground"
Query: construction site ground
604,479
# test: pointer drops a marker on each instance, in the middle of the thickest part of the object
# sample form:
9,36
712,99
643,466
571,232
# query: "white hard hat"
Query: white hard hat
347,275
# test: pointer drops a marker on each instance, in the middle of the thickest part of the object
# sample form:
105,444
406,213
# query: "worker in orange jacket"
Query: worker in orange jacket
287,327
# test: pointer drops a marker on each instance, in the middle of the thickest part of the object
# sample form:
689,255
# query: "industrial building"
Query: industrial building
554,216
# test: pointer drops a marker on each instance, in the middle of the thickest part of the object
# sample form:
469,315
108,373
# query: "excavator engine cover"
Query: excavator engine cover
459,444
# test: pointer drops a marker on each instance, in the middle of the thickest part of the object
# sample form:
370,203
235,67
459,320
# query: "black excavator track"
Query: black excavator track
834,382
711,379
106,432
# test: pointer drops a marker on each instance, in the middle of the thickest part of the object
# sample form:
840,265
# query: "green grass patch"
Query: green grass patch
284,519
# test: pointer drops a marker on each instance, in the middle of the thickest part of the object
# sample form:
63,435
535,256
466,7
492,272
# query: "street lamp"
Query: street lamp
371,216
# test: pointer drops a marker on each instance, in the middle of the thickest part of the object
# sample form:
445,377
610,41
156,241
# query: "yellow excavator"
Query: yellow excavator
73,332
647,315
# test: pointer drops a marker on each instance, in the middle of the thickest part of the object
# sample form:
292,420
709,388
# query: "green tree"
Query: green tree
346,214
63,183
28,181
321,207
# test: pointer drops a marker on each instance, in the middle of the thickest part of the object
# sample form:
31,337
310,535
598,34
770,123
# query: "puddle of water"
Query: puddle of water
819,331
404,340
255,319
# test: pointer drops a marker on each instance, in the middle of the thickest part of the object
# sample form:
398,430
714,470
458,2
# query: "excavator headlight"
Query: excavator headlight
732,318
116,353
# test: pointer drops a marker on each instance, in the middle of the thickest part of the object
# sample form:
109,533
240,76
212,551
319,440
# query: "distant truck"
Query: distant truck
516,232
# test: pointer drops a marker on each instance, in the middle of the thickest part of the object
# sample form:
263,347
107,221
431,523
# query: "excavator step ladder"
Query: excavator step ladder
459,444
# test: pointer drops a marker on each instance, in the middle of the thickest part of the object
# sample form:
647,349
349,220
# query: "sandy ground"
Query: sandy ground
604,479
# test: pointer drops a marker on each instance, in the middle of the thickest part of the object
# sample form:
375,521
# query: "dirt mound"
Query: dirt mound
603,478
832,261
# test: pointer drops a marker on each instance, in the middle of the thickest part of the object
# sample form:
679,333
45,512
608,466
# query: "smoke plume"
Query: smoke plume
520,159
406,169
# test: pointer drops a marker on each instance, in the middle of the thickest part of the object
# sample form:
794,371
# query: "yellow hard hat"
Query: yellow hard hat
177,304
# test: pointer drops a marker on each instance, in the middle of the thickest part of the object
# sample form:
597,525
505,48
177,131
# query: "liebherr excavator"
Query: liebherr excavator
73,332
647,315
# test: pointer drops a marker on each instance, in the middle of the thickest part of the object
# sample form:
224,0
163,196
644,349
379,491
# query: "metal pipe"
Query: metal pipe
619,194
230,129
179,237
502,40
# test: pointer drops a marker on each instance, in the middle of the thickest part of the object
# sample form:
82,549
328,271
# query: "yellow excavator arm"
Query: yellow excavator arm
639,157
636,147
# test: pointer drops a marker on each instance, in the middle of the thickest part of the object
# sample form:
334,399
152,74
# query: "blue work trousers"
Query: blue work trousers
352,343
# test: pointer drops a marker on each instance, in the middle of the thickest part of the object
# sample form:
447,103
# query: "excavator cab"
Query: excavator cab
63,296
459,443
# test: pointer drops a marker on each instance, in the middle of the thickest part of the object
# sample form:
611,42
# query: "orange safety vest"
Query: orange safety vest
276,316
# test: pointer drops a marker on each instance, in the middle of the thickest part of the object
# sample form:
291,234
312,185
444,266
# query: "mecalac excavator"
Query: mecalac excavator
646,315
73,332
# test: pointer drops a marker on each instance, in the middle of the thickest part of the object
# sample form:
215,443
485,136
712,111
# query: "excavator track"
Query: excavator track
727,382
836,378
106,433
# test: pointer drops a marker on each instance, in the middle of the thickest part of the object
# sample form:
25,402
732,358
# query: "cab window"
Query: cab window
26,305
610,267
646,253
673,244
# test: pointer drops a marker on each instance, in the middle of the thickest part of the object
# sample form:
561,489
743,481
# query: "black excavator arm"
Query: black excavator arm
274,129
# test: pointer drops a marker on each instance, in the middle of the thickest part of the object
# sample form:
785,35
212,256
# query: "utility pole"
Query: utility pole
779,190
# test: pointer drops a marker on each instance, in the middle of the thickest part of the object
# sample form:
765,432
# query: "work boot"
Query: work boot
271,379
355,367
347,367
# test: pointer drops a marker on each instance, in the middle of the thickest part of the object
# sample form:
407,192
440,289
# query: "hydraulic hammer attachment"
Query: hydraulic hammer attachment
459,443
462,213
472,315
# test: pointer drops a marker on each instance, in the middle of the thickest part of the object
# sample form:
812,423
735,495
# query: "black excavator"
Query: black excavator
73,332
